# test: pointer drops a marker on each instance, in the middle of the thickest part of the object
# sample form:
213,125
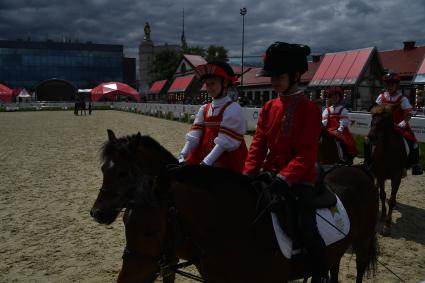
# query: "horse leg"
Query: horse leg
395,184
334,271
383,197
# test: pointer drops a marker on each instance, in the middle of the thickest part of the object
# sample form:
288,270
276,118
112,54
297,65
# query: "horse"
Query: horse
216,208
328,152
151,157
388,160
80,105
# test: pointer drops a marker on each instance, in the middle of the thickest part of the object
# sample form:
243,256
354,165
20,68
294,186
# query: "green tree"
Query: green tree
164,64
216,52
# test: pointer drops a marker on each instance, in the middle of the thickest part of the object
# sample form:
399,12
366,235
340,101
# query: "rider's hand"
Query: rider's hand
402,124
279,186
181,159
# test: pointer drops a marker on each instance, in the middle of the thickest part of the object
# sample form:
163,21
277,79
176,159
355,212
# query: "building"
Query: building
147,52
31,64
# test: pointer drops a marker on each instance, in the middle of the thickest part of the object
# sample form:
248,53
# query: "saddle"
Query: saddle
285,208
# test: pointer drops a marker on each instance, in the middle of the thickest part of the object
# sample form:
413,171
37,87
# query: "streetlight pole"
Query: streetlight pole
243,13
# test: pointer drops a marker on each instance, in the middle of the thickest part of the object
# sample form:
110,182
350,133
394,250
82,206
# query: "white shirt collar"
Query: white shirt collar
220,101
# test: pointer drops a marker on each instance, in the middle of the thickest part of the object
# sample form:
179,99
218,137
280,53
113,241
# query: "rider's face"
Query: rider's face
213,86
280,83
392,87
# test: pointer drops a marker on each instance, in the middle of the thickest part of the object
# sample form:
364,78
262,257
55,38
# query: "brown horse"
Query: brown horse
215,209
328,150
389,158
122,180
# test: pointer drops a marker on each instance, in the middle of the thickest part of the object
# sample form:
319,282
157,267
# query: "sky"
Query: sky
324,25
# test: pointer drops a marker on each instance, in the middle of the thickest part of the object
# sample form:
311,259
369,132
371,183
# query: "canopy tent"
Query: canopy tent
420,75
112,89
6,94
24,94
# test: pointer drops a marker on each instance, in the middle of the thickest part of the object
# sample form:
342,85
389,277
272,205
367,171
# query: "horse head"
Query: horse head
382,122
327,152
129,163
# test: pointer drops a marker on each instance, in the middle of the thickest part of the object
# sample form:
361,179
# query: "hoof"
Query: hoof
386,230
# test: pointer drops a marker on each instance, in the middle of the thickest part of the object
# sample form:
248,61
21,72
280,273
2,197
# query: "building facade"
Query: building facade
24,64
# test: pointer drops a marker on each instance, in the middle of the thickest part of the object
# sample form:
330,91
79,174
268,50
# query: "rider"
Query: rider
286,142
335,120
393,96
216,136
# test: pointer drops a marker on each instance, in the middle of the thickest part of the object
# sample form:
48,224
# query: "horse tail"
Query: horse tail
372,258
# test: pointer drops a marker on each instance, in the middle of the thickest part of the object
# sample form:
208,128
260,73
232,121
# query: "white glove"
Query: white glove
181,158
402,124
340,129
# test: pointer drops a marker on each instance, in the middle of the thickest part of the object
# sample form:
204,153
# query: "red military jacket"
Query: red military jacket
286,139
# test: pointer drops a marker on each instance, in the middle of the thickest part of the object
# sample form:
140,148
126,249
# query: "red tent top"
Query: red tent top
113,88
157,86
180,84
6,94
342,68
404,62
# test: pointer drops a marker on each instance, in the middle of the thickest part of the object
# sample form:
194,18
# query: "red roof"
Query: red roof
404,62
342,68
250,78
157,86
6,94
195,60
420,76
180,84
312,68
422,67
111,89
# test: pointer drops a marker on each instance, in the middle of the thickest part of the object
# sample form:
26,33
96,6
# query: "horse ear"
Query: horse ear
111,135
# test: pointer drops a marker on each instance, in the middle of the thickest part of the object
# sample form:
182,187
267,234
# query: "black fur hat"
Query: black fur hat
282,57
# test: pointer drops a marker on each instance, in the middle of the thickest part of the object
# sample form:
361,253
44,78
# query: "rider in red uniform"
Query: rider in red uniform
335,120
216,136
401,116
286,142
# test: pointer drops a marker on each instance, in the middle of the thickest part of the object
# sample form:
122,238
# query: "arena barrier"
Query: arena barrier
359,120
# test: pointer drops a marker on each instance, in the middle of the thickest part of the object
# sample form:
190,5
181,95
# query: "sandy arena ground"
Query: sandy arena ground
50,176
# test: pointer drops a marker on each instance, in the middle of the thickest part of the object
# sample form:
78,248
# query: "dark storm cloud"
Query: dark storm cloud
323,24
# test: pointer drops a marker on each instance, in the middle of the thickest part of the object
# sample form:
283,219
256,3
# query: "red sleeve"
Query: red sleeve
305,147
258,149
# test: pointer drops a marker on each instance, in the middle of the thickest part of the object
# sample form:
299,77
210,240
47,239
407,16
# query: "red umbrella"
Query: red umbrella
111,89
6,94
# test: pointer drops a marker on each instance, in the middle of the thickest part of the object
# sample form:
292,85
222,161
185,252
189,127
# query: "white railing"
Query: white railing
359,120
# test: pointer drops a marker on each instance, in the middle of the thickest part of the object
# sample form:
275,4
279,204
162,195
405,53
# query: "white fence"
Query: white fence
359,121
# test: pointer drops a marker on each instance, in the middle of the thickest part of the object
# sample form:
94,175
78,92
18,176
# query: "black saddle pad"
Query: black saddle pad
325,198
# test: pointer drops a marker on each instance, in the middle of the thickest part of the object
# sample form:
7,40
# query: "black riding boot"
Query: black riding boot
414,160
312,240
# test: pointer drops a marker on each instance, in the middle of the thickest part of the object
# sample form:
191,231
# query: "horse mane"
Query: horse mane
127,146
381,109
210,178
